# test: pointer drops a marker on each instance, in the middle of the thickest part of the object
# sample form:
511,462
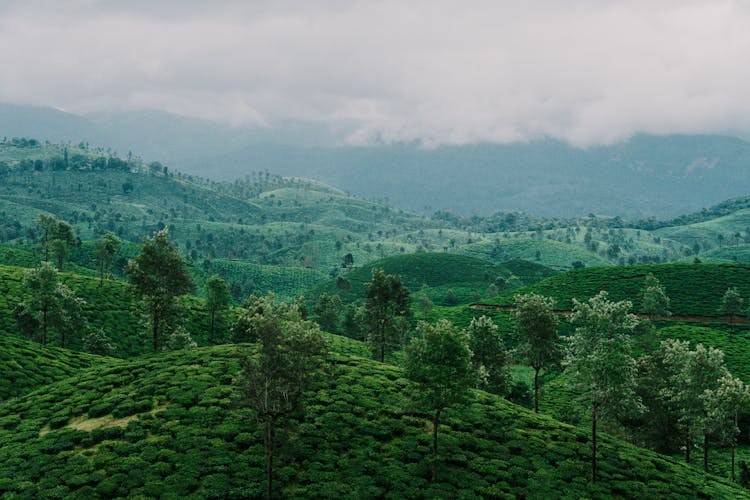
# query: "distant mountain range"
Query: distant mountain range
660,176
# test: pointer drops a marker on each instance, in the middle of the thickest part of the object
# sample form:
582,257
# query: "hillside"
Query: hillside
165,425
694,289
112,307
26,366
435,274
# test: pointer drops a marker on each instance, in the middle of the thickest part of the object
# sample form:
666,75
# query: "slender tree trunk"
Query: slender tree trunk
101,274
435,425
382,342
536,390
269,440
705,452
155,330
62,337
687,445
44,325
733,463
211,328
593,445
59,262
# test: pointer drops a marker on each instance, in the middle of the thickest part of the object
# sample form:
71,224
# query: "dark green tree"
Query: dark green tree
62,240
438,361
159,276
217,301
654,299
285,361
52,304
731,304
386,312
537,328
327,311
491,358
96,342
105,250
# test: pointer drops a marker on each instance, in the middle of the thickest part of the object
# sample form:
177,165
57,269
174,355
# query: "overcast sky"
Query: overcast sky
439,71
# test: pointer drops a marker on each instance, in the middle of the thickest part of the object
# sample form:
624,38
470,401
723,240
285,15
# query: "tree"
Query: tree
491,358
327,311
731,304
217,301
724,404
386,312
539,343
97,342
62,239
275,372
600,360
52,304
159,275
438,361
655,302
47,224
105,250
692,373
352,321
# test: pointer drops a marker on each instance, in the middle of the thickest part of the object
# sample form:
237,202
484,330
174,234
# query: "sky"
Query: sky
438,72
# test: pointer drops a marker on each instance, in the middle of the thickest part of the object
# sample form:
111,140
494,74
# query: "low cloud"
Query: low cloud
441,72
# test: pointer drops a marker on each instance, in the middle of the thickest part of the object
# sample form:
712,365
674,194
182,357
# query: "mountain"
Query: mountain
661,176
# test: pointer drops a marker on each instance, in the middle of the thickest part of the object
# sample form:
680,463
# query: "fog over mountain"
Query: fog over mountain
645,176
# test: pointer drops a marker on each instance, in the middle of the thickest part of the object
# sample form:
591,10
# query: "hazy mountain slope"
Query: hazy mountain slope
661,176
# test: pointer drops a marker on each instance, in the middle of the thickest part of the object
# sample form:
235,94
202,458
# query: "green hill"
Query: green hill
112,307
550,253
25,365
694,289
468,277
165,425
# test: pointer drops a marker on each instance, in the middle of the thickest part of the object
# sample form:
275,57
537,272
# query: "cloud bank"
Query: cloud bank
440,72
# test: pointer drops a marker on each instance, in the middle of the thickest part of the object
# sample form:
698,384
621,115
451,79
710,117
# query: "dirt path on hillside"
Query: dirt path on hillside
675,317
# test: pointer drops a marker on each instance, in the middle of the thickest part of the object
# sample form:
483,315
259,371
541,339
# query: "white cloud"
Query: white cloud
438,71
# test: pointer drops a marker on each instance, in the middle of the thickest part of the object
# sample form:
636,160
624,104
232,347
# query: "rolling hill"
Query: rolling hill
165,425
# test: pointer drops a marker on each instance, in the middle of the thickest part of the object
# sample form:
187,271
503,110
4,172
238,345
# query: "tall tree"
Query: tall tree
284,362
491,358
52,304
386,312
327,311
159,275
105,250
62,239
47,224
692,373
539,342
724,404
655,302
438,361
217,301
600,360
731,304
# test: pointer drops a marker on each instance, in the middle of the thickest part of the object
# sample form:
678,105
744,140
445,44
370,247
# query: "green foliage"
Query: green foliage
217,301
731,303
438,360
655,302
27,366
327,311
386,313
105,250
490,356
693,289
537,330
276,374
184,436
159,276
600,360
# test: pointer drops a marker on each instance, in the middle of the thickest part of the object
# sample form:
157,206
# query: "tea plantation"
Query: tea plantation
111,307
694,289
165,426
